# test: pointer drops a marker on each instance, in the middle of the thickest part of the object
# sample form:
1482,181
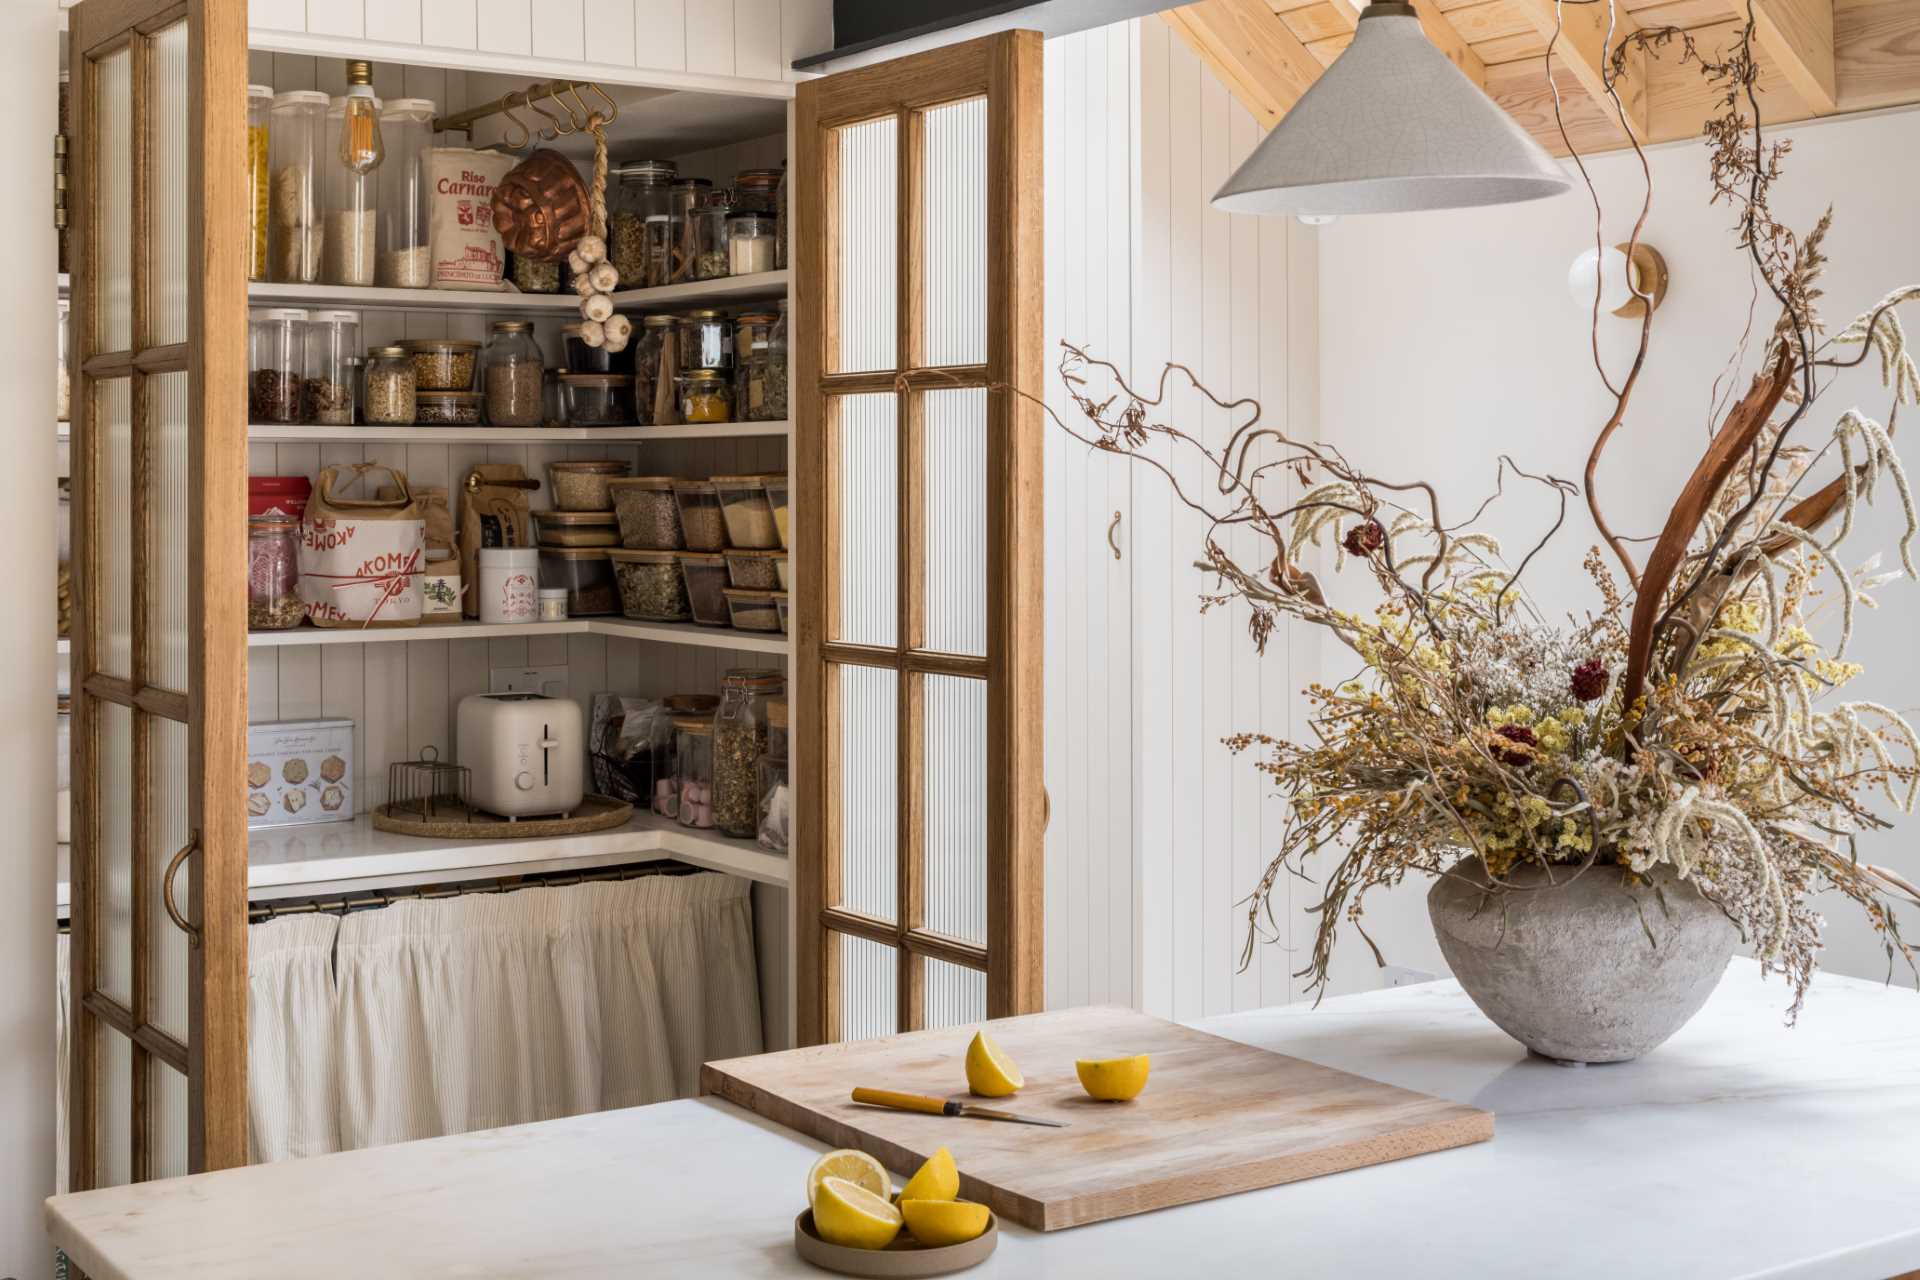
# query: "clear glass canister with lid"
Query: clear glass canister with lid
655,401
534,275
658,266
276,364
332,339
752,366
712,219
406,198
273,573
640,193
758,190
513,375
706,395
776,800
750,241
739,739
684,198
259,134
706,341
693,770
392,387
352,218
296,126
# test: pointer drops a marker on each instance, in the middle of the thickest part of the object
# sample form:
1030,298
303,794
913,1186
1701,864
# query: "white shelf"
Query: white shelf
685,633
729,289
268,431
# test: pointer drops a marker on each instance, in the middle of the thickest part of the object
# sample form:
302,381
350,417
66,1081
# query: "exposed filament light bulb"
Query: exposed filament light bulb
361,149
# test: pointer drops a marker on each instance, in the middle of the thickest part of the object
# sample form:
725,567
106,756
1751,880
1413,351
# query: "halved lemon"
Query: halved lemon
990,1072
845,1213
942,1222
1113,1079
937,1179
857,1167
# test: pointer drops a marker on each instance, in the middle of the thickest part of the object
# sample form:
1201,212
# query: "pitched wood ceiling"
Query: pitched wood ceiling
1817,57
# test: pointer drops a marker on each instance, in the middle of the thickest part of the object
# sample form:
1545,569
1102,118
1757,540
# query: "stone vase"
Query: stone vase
1598,969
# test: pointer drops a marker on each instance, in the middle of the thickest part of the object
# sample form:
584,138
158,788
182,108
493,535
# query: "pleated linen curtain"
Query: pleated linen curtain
293,1079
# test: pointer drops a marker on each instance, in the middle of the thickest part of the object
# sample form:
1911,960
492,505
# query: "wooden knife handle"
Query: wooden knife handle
906,1101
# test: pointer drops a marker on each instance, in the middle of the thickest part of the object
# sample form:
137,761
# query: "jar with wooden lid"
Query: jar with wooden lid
758,190
749,243
576,528
684,198
641,194
706,395
693,770
447,408
705,574
706,340
584,485
739,739
656,403
513,371
392,387
276,363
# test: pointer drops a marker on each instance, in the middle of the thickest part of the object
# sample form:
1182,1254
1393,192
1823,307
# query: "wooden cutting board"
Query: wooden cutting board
1217,1117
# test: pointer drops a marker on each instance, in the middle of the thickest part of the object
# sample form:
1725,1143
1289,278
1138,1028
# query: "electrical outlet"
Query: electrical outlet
1398,975
551,681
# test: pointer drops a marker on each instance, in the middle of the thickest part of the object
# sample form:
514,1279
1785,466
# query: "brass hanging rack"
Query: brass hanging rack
572,117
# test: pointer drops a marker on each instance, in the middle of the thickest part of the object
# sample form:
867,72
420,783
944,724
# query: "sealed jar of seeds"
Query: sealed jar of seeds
276,362
701,521
759,381
391,387
443,364
693,769
273,573
739,739
447,408
656,394
651,588
706,396
332,339
776,802
649,518
514,375
706,341
712,221
640,196
531,275
684,198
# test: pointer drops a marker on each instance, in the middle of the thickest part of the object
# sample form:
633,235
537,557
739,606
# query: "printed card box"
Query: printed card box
299,771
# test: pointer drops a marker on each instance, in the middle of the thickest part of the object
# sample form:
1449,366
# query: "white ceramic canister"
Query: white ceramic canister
509,584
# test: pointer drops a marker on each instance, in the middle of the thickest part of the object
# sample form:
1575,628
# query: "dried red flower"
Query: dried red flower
1515,733
1589,680
1365,537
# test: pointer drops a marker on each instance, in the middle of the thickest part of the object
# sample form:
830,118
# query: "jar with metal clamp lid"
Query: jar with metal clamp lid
739,739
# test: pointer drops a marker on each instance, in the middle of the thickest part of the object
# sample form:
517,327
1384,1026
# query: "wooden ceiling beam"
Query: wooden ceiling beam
1798,34
1583,46
1252,51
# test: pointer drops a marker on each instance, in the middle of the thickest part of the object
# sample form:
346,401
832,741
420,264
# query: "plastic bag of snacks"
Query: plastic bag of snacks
361,558
466,247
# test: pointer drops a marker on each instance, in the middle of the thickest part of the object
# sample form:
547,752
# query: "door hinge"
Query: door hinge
59,182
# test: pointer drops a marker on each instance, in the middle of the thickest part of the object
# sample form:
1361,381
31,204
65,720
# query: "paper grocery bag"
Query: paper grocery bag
361,558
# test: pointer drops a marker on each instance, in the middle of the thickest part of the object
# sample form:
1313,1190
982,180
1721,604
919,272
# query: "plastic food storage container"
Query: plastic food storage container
706,579
296,128
576,528
777,499
582,486
701,523
649,518
276,363
332,339
392,389
780,604
652,588
756,570
405,260
706,395
753,610
598,399
587,575
693,769
350,232
443,364
447,408
748,513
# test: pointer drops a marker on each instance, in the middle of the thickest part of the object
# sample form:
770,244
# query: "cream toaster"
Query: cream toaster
526,753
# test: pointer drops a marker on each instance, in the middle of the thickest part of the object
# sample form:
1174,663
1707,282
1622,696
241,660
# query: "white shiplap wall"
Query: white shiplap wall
1158,833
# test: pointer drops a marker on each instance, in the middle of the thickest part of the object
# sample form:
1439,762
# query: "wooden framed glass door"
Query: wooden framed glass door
917,250
159,544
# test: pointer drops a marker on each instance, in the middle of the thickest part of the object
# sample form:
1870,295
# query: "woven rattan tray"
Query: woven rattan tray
596,813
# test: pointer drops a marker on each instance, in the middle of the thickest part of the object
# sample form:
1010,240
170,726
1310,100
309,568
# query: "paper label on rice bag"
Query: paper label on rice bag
355,571
467,252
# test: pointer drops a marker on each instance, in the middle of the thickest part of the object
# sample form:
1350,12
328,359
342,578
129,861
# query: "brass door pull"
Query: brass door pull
166,891
1111,543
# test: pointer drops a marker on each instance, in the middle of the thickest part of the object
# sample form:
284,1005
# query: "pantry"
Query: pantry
595,472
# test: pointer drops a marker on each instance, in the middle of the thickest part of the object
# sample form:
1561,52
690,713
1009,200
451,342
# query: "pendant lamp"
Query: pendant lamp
1391,127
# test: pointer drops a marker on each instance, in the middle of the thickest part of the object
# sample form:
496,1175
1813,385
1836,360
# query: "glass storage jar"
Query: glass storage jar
780,225
598,399
776,802
657,252
513,373
406,197
684,198
712,219
447,408
706,341
576,529
553,399
760,368
392,382
332,338
443,364
693,770
780,602
584,485
749,514
758,190
273,573
352,218
701,522
706,578
587,575
750,242
294,143
752,610
641,194
582,358
357,380
739,739
705,396
276,363
756,570
651,588
532,275
656,401
259,136
649,519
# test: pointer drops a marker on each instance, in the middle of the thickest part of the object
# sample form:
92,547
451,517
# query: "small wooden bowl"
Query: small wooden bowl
897,1259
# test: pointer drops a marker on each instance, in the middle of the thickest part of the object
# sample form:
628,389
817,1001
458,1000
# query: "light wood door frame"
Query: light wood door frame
214,705
1005,69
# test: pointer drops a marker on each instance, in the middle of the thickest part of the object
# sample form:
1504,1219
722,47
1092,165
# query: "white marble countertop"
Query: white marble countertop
1740,1148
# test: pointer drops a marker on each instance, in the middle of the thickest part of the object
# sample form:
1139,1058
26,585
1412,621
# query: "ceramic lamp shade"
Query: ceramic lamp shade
1391,127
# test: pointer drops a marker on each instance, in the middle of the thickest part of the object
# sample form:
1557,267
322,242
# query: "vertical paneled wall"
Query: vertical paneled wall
1158,832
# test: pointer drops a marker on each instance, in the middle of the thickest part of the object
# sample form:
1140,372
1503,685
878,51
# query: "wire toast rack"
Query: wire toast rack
429,788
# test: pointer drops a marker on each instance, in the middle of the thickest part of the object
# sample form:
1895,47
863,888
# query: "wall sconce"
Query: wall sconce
1627,288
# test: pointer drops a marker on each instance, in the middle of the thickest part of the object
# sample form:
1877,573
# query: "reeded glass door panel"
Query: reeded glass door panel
115,753
954,185
171,566
954,445
869,791
114,512
869,260
113,139
171,1117
170,176
869,988
956,995
956,806
115,1129
167,988
867,492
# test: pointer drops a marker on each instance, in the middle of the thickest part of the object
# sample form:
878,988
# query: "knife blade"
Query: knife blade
931,1106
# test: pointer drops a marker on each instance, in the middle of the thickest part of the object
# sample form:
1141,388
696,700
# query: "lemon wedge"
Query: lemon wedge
942,1222
937,1179
857,1167
1113,1079
845,1213
991,1073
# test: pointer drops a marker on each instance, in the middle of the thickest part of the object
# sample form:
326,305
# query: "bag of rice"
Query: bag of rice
467,250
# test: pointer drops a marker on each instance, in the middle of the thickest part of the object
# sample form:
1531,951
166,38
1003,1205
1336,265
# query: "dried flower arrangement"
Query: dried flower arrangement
1691,719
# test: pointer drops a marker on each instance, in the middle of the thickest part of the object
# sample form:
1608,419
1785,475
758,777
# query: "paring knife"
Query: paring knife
943,1107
